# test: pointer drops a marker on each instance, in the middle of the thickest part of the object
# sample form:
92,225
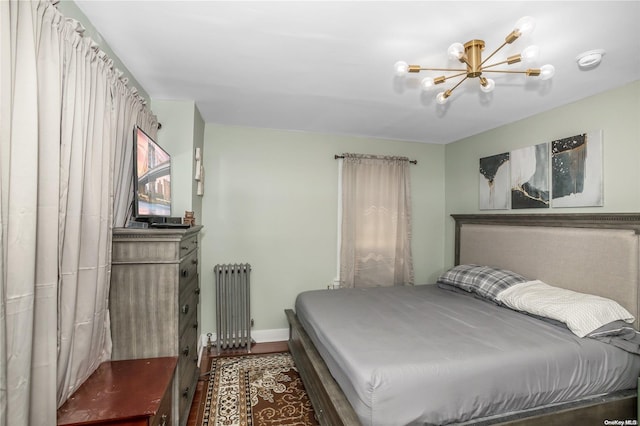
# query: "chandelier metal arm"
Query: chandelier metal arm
456,86
465,60
529,72
456,75
509,61
493,53
417,68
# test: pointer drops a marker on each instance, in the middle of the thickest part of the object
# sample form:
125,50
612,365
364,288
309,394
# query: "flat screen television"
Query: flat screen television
152,178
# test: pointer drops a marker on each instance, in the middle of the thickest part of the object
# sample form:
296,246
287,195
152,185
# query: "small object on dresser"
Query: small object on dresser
189,218
136,224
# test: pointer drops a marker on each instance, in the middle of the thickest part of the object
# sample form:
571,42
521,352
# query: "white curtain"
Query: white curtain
129,110
62,122
375,247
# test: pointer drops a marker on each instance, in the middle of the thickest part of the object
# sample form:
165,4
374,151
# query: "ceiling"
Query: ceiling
327,67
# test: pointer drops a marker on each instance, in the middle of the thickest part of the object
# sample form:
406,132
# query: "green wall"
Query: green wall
616,113
181,133
271,200
271,196
198,142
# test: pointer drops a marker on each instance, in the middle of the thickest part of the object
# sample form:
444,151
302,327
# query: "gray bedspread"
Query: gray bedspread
425,355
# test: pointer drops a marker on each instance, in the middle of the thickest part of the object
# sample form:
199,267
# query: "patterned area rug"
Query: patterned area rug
256,390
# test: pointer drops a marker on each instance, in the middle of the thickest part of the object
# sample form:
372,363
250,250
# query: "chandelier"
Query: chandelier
470,54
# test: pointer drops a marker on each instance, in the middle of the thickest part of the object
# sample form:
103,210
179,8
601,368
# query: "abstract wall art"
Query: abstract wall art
494,182
576,171
530,177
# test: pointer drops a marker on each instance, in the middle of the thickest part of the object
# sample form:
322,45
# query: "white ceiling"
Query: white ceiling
327,67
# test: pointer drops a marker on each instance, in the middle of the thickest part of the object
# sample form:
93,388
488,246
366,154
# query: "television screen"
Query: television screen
152,175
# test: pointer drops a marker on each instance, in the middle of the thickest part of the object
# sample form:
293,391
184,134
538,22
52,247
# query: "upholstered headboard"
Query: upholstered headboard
590,253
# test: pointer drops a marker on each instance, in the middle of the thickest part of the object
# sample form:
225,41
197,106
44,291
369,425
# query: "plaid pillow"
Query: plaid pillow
485,281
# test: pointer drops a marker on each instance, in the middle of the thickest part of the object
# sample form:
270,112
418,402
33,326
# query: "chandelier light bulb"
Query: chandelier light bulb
488,85
456,50
427,84
401,68
547,71
525,25
441,98
530,54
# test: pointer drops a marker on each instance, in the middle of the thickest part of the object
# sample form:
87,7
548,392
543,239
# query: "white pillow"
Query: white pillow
581,312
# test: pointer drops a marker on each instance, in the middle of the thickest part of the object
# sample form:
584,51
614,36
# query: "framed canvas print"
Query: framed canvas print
576,171
494,182
530,177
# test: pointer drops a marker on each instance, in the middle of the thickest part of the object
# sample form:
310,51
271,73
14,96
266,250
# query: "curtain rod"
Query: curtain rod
335,157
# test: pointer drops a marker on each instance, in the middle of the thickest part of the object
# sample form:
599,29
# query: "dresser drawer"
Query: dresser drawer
188,245
188,268
187,392
188,367
164,414
188,349
187,288
188,308
188,379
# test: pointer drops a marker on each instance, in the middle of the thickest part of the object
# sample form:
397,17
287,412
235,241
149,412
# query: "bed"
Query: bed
357,374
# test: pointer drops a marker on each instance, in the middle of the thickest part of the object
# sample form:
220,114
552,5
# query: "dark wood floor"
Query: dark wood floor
195,415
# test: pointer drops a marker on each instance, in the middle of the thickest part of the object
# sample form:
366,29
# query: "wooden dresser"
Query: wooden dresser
131,392
153,303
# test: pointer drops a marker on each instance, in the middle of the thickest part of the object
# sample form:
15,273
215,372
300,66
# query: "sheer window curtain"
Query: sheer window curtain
63,114
375,247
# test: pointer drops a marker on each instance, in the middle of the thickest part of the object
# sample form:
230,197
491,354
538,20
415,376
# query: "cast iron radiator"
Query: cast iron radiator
233,316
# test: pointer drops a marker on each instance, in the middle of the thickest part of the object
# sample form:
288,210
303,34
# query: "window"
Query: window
375,221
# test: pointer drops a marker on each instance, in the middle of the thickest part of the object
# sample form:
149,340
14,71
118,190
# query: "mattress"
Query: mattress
425,355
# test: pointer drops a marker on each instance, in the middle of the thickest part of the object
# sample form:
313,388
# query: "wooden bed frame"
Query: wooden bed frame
332,407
